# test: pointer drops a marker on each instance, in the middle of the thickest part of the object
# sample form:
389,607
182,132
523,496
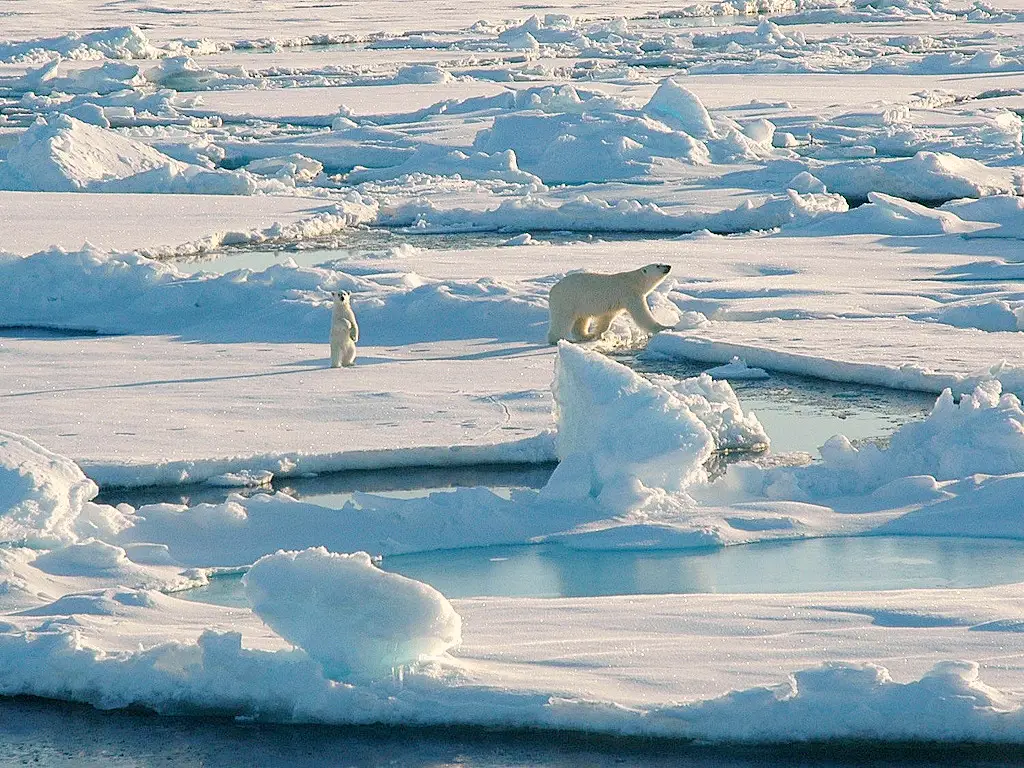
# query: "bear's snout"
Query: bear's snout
665,268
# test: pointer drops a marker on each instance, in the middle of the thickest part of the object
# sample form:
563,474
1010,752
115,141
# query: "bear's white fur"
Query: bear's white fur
344,330
582,305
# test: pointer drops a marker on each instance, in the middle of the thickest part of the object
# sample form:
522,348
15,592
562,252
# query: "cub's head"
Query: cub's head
341,296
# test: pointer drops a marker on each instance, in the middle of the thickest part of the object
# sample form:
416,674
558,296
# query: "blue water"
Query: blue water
810,565
800,413
51,733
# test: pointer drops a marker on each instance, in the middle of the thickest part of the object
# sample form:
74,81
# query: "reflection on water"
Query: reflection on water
335,488
811,565
801,413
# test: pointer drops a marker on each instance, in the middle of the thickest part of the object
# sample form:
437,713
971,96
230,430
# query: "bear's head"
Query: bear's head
656,270
341,296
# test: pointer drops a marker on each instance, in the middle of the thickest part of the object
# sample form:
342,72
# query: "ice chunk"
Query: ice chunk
617,429
680,108
41,493
356,620
737,369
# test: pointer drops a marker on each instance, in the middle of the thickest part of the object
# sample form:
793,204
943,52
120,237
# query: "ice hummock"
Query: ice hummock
347,614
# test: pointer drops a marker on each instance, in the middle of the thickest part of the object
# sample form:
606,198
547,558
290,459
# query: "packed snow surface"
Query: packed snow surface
837,187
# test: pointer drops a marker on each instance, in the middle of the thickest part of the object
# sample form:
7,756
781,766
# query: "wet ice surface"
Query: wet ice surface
816,565
334,489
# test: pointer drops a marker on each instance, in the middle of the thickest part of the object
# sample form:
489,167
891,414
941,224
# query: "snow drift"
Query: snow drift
62,154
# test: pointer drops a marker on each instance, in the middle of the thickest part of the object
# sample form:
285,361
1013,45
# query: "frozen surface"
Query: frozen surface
835,185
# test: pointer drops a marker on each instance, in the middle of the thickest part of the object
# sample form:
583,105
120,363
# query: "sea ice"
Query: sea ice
353,618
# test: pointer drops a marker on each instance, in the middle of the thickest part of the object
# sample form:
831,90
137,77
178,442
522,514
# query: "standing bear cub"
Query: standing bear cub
582,305
344,330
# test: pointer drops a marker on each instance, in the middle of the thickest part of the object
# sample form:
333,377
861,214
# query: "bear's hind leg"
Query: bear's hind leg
335,354
559,325
579,328
348,356
601,324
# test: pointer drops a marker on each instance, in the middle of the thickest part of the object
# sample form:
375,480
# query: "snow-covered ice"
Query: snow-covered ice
837,187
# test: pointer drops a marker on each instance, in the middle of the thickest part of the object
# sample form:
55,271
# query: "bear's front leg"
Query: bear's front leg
642,316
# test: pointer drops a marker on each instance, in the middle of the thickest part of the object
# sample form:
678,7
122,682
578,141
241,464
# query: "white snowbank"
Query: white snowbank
62,154
356,620
128,293
925,177
888,215
588,214
42,494
982,434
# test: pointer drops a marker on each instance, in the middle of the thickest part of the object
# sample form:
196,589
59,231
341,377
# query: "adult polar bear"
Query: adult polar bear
582,305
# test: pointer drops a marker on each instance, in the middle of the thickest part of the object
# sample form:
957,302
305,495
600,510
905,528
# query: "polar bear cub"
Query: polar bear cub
344,330
582,305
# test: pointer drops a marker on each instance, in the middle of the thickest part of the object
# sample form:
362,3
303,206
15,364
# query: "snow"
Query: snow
626,451
66,155
43,493
837,187
737,370
352,618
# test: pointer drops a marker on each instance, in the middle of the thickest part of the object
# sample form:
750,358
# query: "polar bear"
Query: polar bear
344,330
582,305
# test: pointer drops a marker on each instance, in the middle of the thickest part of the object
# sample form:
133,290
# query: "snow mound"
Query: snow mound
982,434
888,215
353,618
41,493
681,109
62,154
113,601
619,433
841,700
571,148
88,557
925,177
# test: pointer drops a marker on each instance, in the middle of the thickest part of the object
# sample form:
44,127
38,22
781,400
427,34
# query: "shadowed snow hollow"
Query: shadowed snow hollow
353,618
